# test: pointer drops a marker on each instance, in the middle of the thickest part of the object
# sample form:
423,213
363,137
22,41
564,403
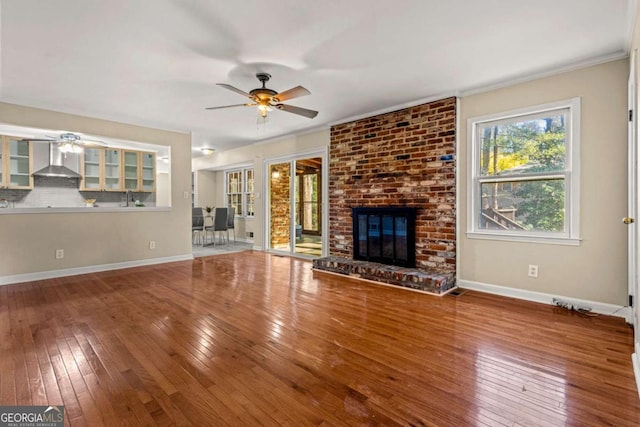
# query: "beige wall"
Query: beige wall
28,241
206,189
597,269
255,155
163,189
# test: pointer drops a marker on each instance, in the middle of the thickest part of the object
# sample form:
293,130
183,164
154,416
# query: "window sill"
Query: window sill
547,240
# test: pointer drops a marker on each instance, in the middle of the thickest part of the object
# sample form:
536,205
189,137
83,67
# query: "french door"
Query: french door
295,207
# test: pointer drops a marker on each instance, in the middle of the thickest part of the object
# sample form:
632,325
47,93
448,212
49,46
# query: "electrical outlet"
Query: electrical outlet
59,253
152,244
185,194
533,270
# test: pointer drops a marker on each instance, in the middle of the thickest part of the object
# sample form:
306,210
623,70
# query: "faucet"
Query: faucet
129,192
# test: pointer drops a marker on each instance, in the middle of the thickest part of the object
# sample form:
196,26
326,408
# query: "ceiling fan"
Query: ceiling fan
267,99
68,142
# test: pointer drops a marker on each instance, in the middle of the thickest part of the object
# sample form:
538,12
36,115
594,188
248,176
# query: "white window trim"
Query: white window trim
571,177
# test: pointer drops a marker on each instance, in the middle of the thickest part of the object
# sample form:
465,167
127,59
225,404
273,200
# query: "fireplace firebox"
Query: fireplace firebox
385,235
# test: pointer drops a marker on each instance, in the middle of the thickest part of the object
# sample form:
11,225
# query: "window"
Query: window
239,185
524,182
250,196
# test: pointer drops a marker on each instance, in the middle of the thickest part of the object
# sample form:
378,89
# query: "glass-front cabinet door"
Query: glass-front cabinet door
112,175
20,160
90,169
131,176
16,163
148,171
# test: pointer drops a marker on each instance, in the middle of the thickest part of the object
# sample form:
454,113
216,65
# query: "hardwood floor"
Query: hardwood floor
252,339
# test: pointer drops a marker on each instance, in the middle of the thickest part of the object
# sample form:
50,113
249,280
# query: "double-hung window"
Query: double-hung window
524,180
239,186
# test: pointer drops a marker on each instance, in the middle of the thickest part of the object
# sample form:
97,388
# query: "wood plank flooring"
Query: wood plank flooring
252,339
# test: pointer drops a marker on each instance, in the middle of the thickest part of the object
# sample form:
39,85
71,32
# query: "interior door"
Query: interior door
631,219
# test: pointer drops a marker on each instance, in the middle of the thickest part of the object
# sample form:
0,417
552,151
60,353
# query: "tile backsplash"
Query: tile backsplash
58,192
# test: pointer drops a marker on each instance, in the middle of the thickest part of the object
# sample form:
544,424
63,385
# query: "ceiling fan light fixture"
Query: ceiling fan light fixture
70,147
207,151
263,109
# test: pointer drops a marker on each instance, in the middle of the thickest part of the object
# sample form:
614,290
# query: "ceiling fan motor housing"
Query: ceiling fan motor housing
263,95
263,77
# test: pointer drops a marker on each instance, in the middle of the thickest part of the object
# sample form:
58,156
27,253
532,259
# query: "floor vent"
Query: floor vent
457,292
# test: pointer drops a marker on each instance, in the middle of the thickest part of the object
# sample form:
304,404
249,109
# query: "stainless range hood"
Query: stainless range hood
55,168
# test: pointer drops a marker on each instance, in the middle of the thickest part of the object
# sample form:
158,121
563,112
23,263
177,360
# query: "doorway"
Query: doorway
295,221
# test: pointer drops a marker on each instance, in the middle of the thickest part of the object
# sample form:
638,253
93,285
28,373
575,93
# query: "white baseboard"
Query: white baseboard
243,240
41,275
635,358
596,307
257,248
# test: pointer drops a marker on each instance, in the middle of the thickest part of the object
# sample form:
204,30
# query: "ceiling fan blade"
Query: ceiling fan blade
297,110
230,106
37,140
294,92
234,89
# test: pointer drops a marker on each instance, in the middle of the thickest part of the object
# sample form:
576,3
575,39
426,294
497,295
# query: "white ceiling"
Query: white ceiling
156,62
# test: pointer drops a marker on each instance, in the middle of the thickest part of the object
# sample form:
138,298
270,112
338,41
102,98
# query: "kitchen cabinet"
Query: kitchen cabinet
16,163
90,167
148,171
113,169
131,170
139,171
100,169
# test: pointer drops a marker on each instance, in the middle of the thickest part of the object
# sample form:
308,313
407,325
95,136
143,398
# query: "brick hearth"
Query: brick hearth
437,283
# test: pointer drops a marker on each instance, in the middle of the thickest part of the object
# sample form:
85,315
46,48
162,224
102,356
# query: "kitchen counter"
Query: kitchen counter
97,209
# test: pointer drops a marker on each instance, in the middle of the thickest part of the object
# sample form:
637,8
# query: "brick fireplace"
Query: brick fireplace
405,158
385,235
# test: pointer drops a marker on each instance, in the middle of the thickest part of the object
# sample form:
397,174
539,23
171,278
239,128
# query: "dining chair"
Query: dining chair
219,224
230,223
197,224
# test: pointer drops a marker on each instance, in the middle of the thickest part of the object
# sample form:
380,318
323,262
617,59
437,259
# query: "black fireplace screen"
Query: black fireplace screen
385,235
